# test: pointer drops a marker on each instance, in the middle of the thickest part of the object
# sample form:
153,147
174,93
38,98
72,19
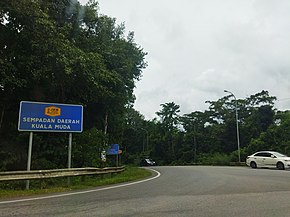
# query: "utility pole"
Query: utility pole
237,123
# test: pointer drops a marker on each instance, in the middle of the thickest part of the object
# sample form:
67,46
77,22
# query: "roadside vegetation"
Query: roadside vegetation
16,189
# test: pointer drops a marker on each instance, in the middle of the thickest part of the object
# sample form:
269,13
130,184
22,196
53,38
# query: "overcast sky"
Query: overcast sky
198,48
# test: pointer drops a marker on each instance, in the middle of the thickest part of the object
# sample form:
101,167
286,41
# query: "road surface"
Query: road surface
199,191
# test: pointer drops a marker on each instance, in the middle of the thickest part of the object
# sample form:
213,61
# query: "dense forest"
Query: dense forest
60,51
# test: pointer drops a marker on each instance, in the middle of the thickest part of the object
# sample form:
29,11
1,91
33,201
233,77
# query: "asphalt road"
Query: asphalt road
179,191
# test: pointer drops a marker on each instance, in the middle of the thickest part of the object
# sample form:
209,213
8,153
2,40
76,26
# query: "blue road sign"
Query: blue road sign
113,150
50,117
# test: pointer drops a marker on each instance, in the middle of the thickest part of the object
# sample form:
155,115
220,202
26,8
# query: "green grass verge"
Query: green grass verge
16,188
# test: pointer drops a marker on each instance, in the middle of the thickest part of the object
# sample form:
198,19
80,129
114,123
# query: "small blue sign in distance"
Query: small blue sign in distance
113,150
50,117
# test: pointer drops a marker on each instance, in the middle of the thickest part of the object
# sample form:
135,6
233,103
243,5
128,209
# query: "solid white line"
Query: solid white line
82,192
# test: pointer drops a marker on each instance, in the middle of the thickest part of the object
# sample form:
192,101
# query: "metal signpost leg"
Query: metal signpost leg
29,157
69,155
117,163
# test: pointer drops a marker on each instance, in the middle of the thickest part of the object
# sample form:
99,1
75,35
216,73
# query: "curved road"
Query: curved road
179,191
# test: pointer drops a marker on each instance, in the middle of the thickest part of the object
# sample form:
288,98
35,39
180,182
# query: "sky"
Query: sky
199,48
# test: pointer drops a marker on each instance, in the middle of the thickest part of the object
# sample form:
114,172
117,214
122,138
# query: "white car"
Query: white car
269,159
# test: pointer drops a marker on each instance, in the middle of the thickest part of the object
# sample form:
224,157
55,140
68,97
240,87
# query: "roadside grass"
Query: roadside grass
16,188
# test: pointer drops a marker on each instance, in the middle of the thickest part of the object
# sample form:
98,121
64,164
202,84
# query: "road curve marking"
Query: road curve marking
83,192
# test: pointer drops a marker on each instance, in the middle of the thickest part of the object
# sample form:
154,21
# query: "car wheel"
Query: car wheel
280,166
253,165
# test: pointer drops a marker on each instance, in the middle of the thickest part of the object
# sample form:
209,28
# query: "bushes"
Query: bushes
214,159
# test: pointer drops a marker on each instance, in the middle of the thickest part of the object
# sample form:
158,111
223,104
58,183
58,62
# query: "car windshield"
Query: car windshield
148,160
279,154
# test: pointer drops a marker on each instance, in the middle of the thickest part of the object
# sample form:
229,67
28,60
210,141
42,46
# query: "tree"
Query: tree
60,51
193,124
169,115
276,137
169,122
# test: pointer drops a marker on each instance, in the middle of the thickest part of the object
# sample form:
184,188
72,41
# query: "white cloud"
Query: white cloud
198,48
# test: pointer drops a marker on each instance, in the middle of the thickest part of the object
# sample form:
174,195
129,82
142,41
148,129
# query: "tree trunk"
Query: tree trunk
106,122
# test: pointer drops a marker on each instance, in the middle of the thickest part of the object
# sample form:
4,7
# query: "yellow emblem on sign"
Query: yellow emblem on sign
52,111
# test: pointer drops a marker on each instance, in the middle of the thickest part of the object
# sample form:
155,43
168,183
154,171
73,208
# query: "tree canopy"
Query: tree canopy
60,51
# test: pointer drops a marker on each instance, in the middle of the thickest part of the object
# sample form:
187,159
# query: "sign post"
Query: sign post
69,155
49,117
69,150
117,159
29,157
103,156
114,150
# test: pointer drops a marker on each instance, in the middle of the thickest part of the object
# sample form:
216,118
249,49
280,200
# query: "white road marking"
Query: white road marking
82,192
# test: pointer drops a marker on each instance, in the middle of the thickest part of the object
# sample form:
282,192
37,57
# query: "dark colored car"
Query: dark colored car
147,162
